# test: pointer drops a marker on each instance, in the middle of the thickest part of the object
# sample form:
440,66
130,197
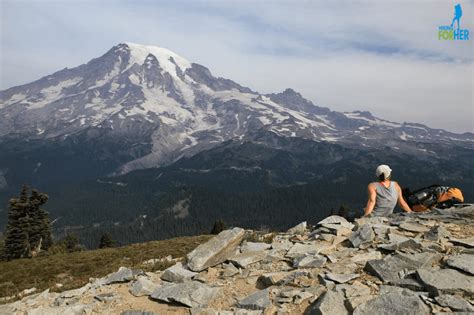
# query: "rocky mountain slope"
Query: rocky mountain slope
419,263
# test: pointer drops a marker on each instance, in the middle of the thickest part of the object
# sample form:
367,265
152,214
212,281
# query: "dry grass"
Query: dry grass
73,270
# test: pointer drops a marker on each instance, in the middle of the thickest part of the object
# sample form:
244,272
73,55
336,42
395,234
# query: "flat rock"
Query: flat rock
259,300
446,281
107,297
331,302
454,302
464,262
312,261
177,273
341,278
244,259
254,247
334,219
338,229
414,227
122,275
282,245
216,250
229,270
466,242
298,229
190,293
143,287
436,233
364,257
317,247
394,303
364,235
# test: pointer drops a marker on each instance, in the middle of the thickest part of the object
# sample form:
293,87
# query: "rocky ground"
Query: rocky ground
404,264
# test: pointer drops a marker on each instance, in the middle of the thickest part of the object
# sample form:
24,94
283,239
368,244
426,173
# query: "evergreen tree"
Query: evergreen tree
28,229
106,241
218,227
71,242
16,233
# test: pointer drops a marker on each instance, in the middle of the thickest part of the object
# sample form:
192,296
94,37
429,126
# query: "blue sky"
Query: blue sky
381,56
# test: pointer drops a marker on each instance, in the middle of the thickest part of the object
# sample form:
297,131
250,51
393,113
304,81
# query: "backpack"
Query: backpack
441,197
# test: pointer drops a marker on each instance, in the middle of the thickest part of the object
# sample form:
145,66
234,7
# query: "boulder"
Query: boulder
122,275
259,300
331,302
341,278
414,227
464,262
216,250
466,242
334,219
254,247
244,259
177,273
436,233
190,293
143,287
311,261
298,229
364,257
229,270
446,281
454,302
394,303
364,235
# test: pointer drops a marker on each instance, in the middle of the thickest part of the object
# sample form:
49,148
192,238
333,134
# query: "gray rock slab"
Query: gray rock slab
414,227
143,287
254,247
298,229
216,250
464,262
446,281
364,257
259,300
362,236
338,229
334,219
177,273
244,259
341,278
190,293
394,303
122,275
229,270
454,302
312,261
436,233
330,303
282,245
299,249
388,269
466,242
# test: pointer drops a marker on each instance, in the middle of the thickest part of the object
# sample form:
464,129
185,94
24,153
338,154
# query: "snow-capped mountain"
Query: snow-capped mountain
171,108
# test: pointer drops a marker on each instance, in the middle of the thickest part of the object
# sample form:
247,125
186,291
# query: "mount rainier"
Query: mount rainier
146,108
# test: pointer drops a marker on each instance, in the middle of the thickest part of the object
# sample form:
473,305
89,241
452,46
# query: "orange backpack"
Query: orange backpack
434,196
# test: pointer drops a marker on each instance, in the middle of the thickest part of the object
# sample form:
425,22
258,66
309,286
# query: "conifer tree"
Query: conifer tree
106,241
28,229
16,233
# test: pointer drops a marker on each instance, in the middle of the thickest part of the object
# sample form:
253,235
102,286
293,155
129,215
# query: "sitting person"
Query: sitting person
384,194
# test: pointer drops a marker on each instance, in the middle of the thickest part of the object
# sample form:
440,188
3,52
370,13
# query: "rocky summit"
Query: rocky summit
418,263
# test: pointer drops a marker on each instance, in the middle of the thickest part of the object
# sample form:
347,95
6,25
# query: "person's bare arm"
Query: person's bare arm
371,200
401,201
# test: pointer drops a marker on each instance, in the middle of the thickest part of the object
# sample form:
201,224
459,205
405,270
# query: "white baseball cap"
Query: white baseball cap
383,169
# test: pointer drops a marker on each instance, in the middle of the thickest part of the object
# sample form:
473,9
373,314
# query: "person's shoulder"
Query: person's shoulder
371,185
